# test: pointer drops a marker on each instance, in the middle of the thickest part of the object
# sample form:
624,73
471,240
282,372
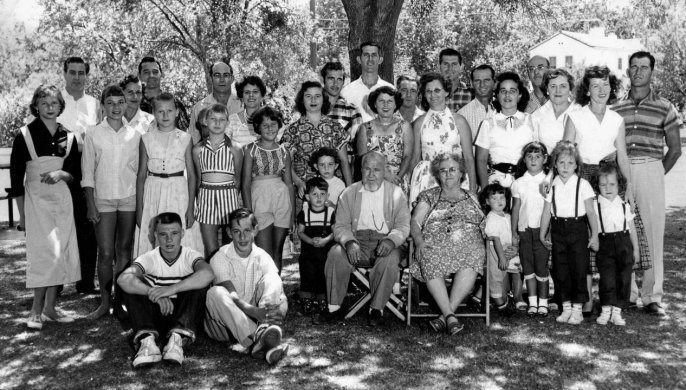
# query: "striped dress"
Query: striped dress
216,201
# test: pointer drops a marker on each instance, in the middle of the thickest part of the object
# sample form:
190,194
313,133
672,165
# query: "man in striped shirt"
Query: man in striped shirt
165,294
343,112
651,124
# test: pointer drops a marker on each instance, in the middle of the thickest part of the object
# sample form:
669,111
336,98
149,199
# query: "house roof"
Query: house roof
591,40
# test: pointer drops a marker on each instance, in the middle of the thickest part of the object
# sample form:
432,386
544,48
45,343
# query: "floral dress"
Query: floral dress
452,234
391,146
439,134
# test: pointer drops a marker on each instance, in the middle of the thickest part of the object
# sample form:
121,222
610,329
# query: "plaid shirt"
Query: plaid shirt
647,123
534,103
460,97
347,115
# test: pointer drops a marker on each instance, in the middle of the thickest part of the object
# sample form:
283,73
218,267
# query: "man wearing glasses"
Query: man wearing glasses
150,74
222,83
535,68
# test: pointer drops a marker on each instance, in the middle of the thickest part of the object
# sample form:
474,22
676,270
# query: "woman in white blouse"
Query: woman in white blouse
549,119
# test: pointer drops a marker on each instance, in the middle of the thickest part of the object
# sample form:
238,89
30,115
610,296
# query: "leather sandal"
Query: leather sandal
438,324
454,327
543,311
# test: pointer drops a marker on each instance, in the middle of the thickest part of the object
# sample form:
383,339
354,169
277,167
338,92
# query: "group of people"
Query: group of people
364,167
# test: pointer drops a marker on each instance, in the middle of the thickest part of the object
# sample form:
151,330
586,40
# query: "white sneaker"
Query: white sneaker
266,337
173,351
604,315
35,322
277,353
576,318
564,316
148,353
616,318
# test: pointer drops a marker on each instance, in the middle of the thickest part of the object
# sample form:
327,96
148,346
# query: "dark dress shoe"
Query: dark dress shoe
327,317
375,318
655,309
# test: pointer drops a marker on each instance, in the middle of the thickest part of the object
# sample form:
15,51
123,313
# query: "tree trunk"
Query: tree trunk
372,20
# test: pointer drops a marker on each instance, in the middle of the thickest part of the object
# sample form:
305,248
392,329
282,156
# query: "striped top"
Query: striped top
267,162
159,271
219,160
647,123
347,115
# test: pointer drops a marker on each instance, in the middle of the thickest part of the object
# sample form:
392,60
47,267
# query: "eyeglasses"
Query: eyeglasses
539,67
222,75
449,170
433,91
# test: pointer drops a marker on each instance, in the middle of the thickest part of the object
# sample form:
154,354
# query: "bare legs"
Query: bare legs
114,233
271,239
44,301
463,282
210,239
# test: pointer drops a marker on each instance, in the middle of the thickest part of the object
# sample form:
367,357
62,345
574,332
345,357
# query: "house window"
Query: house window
619,63
568,61
553,62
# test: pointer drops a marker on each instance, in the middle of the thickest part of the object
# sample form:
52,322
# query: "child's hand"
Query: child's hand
543,188
545,240
511,251
515,238
593,243
316,242
329,203
503,264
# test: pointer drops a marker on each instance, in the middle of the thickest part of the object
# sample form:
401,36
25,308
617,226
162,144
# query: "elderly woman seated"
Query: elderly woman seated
448,240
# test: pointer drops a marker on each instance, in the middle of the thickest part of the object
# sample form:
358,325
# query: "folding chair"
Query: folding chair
413,287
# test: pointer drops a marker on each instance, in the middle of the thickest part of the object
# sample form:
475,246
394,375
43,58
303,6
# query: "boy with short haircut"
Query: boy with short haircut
325,162
247,303
315,222
165,288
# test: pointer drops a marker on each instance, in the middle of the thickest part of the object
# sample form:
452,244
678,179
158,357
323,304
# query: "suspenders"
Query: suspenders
576,200
309,217
600,216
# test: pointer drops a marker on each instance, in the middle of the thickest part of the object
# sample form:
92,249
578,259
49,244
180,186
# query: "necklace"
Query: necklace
384,124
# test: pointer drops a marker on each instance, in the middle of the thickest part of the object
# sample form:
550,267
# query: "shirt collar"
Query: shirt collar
572,180
364,190
500,116
527,175
606,202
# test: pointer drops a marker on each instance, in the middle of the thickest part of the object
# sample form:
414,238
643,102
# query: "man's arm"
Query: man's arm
272,314
342,229
673,141
401,221
202,276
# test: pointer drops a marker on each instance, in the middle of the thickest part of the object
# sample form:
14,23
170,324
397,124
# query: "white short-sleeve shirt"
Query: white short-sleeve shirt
505,136
614,215
565,193
336,187
595,139
79,115
549,130
161,272
531,208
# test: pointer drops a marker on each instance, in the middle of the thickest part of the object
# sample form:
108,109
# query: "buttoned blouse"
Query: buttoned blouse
531,208
595,139
548,129
565,193
614,215
504,136
109,163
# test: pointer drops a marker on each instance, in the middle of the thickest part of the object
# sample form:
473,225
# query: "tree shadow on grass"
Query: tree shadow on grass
516,352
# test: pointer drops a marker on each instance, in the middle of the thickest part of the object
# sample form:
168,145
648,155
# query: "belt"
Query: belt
505,168
165,175
642,160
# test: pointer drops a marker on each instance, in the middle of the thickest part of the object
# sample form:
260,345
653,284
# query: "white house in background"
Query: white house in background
567,48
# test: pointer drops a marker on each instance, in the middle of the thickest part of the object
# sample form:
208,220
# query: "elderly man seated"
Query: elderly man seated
165,290
372,222
247,303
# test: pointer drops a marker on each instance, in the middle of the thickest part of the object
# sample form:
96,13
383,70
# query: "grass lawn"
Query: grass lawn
516,352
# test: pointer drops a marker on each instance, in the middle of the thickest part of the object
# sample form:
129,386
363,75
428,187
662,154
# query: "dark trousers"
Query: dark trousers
146,317
85,236
532,254
615,258
570,257
312,280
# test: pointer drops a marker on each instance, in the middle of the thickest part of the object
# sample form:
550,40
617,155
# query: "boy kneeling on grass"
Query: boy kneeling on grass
165,289
247,303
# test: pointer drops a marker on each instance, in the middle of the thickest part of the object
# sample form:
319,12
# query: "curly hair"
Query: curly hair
436,163
511,76
300,98
46,90
263,113
390,91
250,80
583,95
129,79
565,148
321,152
426,79
551,74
